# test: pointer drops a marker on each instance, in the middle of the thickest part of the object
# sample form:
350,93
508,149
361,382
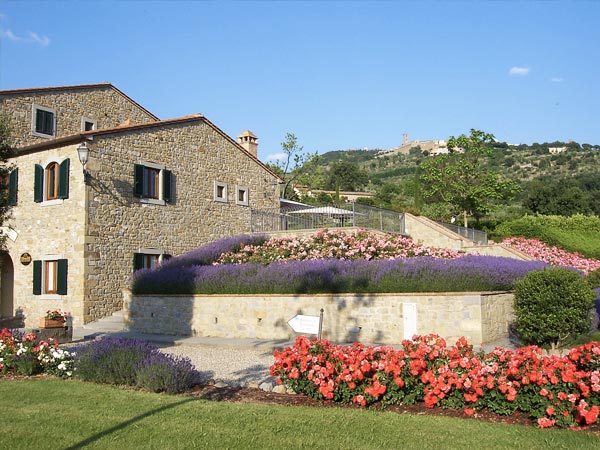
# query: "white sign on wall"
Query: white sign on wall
409,314
305,324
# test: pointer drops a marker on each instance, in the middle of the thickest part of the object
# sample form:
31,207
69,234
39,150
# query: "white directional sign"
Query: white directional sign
305,324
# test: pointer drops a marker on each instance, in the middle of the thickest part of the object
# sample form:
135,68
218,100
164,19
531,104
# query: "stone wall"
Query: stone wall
103,104
120,224
48,228
370,318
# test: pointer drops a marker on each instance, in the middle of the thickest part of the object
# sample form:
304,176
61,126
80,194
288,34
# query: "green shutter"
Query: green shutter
39,121
37,278
48,122
38,184
138,261
63,179
61,276
138,180
13,182
167,176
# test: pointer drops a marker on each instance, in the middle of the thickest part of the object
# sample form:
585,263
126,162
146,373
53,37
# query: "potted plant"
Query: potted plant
53,319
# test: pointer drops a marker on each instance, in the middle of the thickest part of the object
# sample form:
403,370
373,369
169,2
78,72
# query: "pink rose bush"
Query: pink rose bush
554,391
551,254
327,244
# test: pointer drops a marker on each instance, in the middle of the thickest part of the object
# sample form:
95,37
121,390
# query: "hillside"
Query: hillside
393,176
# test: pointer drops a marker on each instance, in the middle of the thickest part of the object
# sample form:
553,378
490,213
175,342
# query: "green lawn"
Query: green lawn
56,414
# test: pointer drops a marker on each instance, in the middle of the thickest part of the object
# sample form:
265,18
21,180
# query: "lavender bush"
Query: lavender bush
111,360
419,274
133,362
209,253
159,372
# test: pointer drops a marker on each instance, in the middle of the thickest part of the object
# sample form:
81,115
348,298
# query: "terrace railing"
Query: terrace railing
477,236
309,217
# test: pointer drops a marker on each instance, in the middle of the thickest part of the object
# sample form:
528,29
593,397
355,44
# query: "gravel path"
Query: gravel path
232,366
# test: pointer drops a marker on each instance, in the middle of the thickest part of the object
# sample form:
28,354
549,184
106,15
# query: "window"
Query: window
152,183
87,124
148,258
51,182
8,187
220,192
241,196
43,121
50,276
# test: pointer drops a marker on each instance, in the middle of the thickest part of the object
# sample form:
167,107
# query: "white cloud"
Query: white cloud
519,71
557,80
32,38
276,157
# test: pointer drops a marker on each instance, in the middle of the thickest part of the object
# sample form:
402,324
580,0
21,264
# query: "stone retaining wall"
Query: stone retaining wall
481,317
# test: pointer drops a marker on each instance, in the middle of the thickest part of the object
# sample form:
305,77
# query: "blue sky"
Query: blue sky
336,74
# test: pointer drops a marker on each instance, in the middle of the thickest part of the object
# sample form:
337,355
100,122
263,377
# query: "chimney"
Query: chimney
249,141
404,139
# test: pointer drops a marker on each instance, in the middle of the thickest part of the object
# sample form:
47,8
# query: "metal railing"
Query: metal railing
332,216
477,236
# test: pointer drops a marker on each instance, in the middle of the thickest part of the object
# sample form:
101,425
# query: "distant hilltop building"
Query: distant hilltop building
432,147
556,150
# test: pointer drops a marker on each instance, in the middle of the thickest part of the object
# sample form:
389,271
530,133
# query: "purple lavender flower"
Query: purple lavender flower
419,274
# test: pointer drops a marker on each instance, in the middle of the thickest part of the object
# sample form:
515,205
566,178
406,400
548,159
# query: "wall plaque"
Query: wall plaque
25,259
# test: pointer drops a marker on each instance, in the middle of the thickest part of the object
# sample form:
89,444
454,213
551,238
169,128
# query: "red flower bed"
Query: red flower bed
561,391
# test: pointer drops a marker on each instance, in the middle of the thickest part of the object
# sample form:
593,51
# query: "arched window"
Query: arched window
52,181
51,176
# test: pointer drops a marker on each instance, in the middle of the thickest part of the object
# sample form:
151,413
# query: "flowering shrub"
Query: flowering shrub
56,315
551,254
209,253
418,274
133,362
25,355
554,391
327,244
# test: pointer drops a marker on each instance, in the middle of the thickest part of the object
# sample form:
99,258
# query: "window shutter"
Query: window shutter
37,278
48,123
138,181
166,180
38,184
138,261
61,277
39,121
13,182
63,179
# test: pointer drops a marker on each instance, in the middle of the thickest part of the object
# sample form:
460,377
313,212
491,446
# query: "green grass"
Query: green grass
56,414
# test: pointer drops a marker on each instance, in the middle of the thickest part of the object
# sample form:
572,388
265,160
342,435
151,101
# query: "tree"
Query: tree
6,151
460,180
295,163
346,176
560,198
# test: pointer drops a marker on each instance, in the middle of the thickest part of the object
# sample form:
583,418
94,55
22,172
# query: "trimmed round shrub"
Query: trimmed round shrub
552,305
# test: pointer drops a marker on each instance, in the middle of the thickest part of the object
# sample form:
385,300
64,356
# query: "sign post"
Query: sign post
307,324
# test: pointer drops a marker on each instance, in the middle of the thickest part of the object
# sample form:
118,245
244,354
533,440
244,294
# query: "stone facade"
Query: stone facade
102,224
103,104
53,230
372,318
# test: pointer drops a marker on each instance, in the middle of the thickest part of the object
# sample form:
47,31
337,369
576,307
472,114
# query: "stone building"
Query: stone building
150,188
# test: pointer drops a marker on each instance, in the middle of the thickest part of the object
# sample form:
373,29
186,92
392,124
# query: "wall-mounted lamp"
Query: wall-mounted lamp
84,155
